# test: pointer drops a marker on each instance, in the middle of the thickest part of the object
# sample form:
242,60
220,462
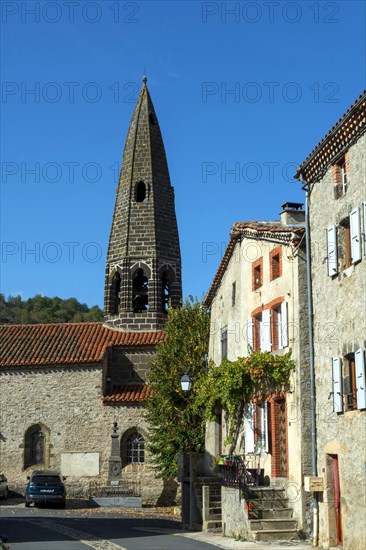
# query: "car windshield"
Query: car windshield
45,479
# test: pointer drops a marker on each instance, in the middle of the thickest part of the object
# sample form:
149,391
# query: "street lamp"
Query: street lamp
185,383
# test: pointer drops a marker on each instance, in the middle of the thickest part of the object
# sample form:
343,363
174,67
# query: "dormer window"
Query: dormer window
140,192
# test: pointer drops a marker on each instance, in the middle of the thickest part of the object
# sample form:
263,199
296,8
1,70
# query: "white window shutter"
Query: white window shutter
249,332
360,379
266,330
283,335
264,411
337,385
355,234
332,253
364,227
249,428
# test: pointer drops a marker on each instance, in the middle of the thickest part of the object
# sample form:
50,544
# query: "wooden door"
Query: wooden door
337,500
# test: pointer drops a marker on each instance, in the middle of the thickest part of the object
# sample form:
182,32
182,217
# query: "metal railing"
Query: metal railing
234,473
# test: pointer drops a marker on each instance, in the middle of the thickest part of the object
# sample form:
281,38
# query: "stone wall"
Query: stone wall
339,323
235,518
68,403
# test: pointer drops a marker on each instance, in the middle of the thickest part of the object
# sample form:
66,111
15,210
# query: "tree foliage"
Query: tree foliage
41,309
176,423
233,382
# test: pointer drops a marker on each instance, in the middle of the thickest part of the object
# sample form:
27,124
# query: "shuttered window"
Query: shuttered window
337,385
284,326
355,234
360,379
266,331
249,428
332,255
249,332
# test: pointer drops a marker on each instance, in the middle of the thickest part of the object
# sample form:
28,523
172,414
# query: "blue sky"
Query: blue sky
243,92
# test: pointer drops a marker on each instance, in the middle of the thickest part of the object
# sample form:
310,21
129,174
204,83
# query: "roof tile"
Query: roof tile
64,343
127,393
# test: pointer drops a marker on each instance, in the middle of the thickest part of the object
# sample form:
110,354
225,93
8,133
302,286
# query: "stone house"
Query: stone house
63,386
334,176
258,299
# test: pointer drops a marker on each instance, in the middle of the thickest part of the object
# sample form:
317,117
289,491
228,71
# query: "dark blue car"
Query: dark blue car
45,487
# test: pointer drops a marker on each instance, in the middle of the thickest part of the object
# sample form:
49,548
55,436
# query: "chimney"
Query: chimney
292,213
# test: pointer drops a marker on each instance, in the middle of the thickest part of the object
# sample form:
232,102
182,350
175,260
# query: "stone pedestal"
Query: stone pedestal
115,462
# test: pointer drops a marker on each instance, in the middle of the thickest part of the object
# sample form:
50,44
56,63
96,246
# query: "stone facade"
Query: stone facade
335,174
67,403
259,299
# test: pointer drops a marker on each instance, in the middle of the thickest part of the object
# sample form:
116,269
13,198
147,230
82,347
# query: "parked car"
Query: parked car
45,487
3,486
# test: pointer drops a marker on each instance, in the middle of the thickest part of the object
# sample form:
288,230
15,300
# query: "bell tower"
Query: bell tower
143,271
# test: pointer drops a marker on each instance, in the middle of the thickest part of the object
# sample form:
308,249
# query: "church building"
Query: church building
66,388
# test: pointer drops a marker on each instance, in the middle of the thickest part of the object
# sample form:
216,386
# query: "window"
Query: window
268,330
275,263
114,294
233,294
344,246
223,343
135,449
140,290
36,443
165,291
262,424
257,274
350,382
140,192
340,176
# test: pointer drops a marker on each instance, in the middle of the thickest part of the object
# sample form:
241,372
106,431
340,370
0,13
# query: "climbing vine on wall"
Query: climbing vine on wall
233,382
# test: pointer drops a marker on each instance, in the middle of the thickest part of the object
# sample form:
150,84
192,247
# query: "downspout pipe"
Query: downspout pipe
315,505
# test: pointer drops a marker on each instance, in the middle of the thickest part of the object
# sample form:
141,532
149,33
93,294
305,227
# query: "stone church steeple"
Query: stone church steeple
143,271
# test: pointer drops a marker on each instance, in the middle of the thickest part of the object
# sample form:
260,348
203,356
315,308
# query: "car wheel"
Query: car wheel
62,505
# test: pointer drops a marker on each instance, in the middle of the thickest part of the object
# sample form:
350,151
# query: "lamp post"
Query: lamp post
185,383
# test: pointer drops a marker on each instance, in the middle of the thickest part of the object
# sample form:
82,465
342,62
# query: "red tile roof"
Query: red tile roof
127,393
253,229
345,131
64,343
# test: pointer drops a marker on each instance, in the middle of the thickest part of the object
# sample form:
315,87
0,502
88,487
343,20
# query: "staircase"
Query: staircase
208,497
270,517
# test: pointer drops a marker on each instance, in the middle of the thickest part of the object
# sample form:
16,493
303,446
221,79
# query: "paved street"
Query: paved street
81,527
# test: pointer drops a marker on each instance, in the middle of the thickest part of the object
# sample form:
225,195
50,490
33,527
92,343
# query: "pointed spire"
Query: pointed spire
143,262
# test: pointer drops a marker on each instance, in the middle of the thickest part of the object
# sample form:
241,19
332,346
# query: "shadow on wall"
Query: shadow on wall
168,496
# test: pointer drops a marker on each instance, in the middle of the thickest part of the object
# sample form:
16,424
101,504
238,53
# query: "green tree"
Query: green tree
176,424
41,309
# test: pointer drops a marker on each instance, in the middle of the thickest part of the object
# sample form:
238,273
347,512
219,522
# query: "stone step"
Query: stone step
214,517
266,493
272,523
275,534
267,504
214,510
263,513
215,504
211,525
